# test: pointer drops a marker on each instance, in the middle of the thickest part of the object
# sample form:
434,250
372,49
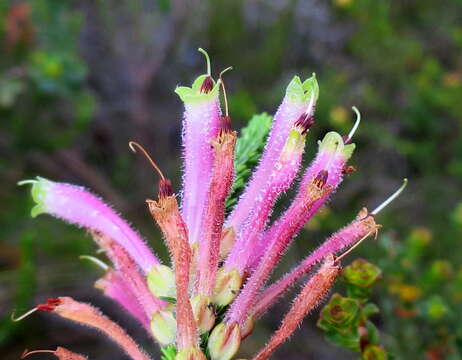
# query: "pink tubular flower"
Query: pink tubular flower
362,226
115,287
77,206
201,124
202,304
86,314
311,295
328,166
214,216
298,105
239,311
277,169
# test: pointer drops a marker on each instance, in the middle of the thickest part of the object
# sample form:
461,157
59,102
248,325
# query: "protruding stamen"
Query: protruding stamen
133,144
224,89
26,352
16,319
337,259
95,261
305,122
207,59
390,199
355,126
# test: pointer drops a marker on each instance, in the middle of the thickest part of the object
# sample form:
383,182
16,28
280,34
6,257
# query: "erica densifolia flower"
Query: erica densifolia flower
205,302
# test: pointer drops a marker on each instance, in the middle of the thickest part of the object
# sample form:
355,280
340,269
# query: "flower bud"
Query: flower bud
190,354
224,341
247,327
227,286
161,281
228,238
163,327
203,313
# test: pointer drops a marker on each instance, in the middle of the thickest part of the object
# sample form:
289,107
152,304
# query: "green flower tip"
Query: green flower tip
40,187
194,94
334,143
299,91
196,91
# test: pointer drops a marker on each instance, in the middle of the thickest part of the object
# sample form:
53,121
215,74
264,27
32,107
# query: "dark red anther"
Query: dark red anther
305,122
207,85
225,124
50,305
165,188
321,179
348,170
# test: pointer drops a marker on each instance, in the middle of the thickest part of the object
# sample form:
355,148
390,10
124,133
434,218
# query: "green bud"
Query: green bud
248,326
161,281
40,186
203,313
224,341
227,286
190,354
340,315
163,327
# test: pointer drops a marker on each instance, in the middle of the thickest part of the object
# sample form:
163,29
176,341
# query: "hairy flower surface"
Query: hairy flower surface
205,304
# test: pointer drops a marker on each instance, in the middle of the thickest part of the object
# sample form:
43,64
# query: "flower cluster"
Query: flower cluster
206,302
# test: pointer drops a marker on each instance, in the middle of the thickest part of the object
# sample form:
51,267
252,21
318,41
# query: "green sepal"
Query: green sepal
168,352
301,92
40,186
333,143
193,93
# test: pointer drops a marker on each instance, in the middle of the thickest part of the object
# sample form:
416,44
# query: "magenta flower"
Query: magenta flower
217,282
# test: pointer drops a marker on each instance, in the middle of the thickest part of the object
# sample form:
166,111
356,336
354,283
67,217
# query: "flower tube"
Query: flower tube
200,124
77,206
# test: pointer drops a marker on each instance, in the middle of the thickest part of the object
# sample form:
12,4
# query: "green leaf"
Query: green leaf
168,352
169,299
348,341
372,332
369,310
248,151
374,352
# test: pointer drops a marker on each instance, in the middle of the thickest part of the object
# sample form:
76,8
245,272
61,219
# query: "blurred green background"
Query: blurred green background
79,79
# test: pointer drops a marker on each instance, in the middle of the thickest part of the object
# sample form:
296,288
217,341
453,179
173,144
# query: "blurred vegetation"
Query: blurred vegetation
78,80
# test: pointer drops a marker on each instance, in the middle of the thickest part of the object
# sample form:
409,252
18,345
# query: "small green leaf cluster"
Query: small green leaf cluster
345,320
